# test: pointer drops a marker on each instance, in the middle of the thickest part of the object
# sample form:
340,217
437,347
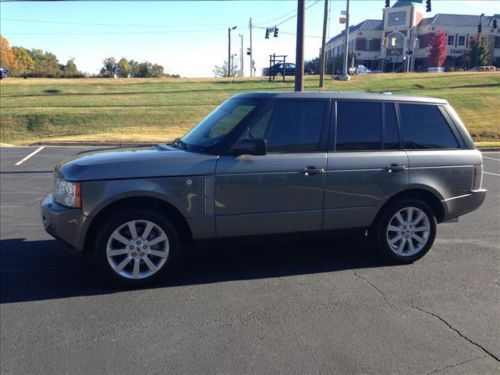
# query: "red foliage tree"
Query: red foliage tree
437,51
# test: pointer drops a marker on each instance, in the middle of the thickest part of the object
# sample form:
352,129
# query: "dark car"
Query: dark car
281,69
261,164
4,72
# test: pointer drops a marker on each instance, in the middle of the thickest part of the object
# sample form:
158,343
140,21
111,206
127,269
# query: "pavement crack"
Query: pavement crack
379,291
455,365
490,354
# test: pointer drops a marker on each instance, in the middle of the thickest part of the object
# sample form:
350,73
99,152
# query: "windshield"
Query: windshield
212,130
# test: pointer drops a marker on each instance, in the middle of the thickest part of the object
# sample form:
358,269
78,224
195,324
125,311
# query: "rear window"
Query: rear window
359,126
424,127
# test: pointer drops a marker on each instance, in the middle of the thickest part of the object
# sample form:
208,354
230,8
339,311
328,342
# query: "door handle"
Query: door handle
311,171
395,168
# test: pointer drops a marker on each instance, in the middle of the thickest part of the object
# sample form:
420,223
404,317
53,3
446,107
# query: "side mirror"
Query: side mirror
251,147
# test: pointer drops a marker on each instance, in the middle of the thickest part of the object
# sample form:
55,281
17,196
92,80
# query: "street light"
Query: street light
229,29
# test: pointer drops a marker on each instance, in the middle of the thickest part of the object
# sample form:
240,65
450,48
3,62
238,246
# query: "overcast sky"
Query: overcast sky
186,37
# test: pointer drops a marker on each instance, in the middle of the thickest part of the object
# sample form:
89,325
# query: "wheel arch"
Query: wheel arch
157,204
431,198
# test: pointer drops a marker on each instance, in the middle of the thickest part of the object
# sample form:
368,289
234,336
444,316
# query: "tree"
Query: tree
157,71
46,64
124,68
338,62
437,50
109,67
24,60
478,55
70,69
314,65
221,70
7,58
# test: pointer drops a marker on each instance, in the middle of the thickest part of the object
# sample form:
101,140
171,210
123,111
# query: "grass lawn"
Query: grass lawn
157,110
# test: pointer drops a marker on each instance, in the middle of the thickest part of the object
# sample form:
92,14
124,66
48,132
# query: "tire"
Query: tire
401,240
129,259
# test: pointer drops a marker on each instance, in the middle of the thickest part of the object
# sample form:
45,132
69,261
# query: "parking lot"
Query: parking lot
309,306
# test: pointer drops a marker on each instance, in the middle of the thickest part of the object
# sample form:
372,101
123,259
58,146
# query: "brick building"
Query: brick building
400,41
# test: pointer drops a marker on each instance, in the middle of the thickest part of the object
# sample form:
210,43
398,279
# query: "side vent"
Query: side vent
202,193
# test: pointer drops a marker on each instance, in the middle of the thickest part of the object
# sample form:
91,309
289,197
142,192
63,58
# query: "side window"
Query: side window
291,126
359,126
391,129
424,127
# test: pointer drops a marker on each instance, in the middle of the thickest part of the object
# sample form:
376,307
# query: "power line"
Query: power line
109,24
291,17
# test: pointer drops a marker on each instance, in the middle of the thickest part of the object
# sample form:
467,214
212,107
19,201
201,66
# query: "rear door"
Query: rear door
282,191
366,164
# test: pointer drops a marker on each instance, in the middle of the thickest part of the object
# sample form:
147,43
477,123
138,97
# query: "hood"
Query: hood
141,162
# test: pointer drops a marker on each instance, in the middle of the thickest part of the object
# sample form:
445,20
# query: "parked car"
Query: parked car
272,163
281,69
360,69
484,68
4,72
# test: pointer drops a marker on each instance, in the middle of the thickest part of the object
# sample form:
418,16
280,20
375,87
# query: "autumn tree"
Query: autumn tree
7,57
24,61
437,50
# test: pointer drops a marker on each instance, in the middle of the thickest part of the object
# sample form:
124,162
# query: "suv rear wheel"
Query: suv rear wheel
405,231
137,247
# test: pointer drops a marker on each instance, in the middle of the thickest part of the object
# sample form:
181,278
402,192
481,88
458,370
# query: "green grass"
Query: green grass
158,110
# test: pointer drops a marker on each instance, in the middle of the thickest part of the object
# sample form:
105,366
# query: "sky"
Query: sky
187,37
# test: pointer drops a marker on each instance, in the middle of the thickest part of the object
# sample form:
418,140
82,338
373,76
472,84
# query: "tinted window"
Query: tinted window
391,130
425,127
220,122
359,126
291,126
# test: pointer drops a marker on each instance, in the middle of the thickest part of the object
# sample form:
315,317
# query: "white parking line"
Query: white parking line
494,174
30,155
485,157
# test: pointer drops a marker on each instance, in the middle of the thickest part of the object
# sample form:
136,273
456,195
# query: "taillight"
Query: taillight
477,177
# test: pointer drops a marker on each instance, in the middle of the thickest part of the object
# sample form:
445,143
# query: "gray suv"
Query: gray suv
272,163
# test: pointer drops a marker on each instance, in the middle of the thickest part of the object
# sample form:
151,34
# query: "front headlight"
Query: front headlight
66,193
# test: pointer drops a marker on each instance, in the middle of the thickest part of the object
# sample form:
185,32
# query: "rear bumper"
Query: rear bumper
64,224
457,206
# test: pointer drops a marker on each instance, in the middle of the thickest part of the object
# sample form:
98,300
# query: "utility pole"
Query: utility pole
251,49
346,77
229,67
323,46
299,53
242,71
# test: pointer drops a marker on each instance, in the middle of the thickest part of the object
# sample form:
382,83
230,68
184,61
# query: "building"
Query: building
401,40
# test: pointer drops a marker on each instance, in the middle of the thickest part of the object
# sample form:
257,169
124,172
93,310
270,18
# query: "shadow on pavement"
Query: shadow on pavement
41,270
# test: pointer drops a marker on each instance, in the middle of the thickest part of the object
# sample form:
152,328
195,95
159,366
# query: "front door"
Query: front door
282,191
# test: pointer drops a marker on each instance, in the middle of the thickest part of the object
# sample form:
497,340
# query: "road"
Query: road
309,306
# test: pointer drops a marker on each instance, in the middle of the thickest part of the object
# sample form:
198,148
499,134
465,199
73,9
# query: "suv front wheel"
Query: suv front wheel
137,247
405,231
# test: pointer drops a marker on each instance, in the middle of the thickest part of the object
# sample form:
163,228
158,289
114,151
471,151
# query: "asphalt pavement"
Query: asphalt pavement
308,306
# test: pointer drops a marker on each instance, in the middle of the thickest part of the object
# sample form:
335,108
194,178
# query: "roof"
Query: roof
458,20
366,25
342,95
402,3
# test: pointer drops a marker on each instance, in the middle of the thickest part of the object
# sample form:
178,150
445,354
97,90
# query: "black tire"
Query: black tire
380,237
172,246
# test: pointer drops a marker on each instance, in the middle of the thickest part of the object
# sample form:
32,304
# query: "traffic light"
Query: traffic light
267,33
275,32
387,3
249,51
428,6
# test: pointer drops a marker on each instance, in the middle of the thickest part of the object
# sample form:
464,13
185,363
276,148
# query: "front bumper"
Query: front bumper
64,224
457,206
